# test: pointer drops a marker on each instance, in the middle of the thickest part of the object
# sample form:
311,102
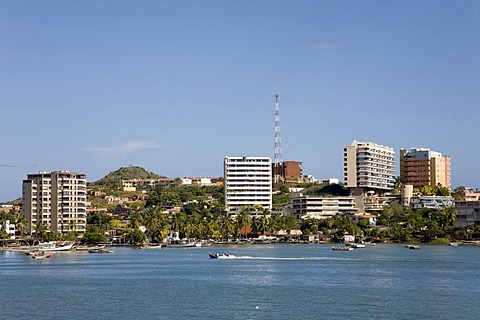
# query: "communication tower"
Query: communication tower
277,159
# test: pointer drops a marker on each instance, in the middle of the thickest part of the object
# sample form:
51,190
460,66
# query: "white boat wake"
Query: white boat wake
275,258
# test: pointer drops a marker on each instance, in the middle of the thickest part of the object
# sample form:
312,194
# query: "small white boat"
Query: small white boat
453,244
342,248
152,246
182,244
102,250
86,248
54,246
357,245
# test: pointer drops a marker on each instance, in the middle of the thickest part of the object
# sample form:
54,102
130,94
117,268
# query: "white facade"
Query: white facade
9,229
247,182
186,182
57,199
369,165
318,207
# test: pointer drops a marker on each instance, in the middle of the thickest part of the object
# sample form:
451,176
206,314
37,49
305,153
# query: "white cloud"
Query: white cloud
127,147
325,45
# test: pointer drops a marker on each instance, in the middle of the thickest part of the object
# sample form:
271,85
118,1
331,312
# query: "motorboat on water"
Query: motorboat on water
413,247
218,255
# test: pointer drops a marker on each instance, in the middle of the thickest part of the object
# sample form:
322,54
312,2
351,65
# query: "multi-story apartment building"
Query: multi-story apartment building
320,207
288,171
369,172
423,167
57,199
369,165
468,213
247,182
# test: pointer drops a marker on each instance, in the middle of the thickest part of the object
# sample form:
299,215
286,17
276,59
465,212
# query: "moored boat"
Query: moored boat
101,250
357,245
55,246
86,248
338,248
42,255
152,246
182,244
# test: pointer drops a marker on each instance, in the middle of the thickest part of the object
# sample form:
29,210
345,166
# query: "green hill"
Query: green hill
115,178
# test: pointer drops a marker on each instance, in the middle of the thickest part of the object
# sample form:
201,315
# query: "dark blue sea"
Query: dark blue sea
280,281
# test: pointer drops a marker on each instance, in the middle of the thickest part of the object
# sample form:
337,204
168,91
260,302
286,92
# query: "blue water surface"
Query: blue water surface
279,281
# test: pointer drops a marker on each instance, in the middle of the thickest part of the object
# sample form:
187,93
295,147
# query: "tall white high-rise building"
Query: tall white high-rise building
369,166
57,199
247,182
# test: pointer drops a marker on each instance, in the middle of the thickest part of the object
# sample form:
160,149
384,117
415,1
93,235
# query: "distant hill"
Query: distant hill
126,173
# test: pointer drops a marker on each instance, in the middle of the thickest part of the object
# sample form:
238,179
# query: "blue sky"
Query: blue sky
175,86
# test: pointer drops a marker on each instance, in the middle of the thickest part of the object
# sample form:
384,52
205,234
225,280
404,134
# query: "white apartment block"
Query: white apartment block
247,182
369,165
57,199
320,207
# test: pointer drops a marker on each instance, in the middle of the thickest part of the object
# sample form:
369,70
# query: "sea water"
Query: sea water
279,281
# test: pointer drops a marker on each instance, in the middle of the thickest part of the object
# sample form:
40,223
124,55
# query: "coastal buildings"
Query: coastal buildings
369,171
247,182
320,207
134,184
424,167
369,165
288,171
468,213
57,200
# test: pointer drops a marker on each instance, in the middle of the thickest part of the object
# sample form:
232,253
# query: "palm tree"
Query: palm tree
177,222
21,224
193,225
156,223
244,221
135,220
397,185
264,219
227,226
41,230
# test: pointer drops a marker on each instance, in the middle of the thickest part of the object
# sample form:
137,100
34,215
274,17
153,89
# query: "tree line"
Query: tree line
202,217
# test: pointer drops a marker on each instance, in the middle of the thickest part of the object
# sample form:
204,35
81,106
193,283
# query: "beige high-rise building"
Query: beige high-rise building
57,199
369,166
423,167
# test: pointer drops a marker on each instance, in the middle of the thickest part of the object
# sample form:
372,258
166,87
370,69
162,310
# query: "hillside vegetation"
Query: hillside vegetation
115,178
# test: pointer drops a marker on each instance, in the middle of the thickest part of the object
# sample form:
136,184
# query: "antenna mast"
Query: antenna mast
277,159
